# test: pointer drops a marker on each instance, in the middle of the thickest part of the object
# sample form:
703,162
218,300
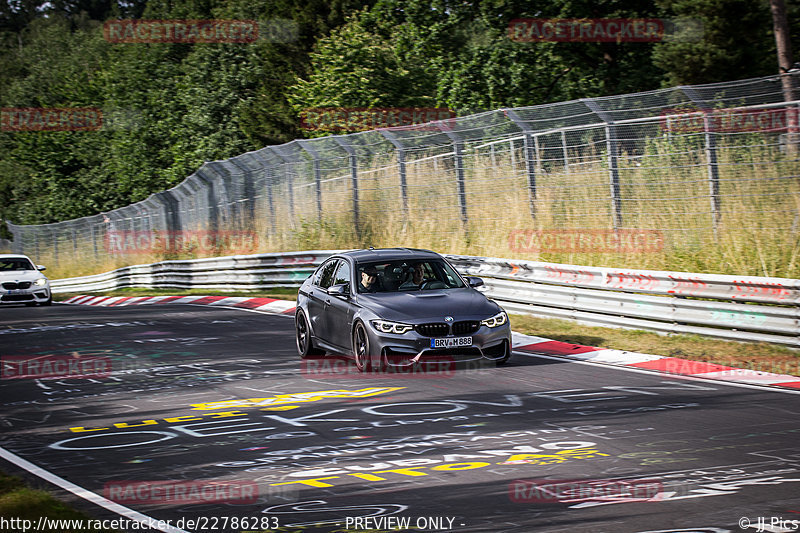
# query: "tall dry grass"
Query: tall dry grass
665,187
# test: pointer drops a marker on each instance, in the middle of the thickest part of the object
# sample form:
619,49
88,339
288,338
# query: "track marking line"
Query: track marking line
87,494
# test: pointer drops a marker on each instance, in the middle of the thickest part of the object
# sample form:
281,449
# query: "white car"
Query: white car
23,282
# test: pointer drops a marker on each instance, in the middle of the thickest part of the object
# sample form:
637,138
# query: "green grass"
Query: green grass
17,500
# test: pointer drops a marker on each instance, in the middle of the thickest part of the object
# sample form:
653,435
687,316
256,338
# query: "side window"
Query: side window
343,274
325,278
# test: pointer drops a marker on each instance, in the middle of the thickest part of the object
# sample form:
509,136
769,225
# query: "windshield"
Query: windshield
407,275
17,263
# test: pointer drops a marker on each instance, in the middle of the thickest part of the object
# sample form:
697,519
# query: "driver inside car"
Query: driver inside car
417,278
369,280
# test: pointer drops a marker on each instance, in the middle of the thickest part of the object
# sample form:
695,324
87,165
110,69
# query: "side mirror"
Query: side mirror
41,268
474,281
342,290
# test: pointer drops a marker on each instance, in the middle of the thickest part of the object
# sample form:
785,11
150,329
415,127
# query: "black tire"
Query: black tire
49,301
505,358
361,348
305,343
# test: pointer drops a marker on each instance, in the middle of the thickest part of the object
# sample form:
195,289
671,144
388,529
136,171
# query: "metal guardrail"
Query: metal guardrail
729,307
238,272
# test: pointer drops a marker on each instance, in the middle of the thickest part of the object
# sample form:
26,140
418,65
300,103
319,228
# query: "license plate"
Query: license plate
451,342
14,292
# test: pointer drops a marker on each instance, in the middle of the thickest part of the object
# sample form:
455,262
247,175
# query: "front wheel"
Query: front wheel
49,301
361,348
305,346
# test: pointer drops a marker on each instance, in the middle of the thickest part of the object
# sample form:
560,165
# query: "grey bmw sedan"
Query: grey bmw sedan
398,307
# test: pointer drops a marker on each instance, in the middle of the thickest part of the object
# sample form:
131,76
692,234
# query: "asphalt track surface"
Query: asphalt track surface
541,444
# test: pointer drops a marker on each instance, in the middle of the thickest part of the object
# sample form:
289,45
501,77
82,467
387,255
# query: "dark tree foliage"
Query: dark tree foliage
168,107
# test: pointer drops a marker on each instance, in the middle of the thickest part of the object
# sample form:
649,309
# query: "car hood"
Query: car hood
20,275
427,306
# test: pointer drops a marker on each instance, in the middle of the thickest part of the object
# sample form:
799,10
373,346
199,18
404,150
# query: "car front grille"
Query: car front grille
466,327
433,329
12,285
440,329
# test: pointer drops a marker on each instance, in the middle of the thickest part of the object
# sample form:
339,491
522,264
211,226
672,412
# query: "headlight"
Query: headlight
41,282
497,320
384,326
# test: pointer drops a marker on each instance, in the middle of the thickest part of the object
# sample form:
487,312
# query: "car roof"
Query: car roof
14,256
389,254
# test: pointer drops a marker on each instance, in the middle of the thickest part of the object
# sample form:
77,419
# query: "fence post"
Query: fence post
351,155
612,151
220,178
169,208
269,179
55,246
530,158
248,194
289,181
458,147
564,149
317,177
212,214
401,165
711,155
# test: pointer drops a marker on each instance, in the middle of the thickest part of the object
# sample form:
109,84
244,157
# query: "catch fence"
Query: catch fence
698,166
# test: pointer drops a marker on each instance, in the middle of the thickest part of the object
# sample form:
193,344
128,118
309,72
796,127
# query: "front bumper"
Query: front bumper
410,349
34,294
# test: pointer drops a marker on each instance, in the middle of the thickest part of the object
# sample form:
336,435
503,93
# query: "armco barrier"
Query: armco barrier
238,272
729,307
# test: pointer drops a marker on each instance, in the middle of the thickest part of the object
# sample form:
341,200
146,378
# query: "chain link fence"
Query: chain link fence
711,171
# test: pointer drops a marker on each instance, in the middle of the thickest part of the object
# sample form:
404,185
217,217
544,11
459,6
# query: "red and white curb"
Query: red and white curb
660,363
520,342
269,305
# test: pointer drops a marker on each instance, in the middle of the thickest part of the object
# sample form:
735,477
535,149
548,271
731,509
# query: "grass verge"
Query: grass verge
18,501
